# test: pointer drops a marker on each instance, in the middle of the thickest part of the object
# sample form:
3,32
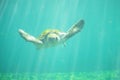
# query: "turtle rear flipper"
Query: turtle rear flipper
74,29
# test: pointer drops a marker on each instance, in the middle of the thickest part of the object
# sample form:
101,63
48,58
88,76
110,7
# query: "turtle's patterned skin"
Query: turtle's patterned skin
52,37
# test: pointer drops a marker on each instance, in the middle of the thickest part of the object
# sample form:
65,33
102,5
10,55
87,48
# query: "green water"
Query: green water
92,54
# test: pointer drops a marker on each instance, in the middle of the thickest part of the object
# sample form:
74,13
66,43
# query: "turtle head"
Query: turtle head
53,38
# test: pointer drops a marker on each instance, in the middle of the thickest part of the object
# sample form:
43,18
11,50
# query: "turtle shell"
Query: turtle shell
45,33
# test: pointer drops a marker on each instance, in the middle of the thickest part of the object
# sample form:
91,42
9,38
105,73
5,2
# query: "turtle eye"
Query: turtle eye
56,38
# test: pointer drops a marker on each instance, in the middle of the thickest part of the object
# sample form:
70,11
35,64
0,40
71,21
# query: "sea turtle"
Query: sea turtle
52,37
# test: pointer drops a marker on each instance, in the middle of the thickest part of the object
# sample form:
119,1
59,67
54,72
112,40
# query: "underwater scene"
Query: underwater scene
59,40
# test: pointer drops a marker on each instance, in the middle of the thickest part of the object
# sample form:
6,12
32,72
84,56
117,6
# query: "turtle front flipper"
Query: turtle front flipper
74,29
29,37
